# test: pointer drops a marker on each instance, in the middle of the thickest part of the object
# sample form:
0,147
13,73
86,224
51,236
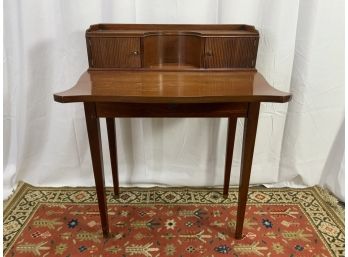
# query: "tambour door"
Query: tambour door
114,52
230,52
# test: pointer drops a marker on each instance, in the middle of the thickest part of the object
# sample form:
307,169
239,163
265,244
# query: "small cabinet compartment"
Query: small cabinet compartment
230,52
172,50
114,52
172,46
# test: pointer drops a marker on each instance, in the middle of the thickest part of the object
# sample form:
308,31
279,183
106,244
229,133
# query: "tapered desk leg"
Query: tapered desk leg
93,130
250,127
110,124
231,132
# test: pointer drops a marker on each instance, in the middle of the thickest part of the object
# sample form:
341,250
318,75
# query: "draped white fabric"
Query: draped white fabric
301,50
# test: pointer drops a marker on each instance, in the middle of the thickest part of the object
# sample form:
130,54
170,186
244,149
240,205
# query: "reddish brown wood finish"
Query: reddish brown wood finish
151,70
117,30
173,46
111,128
231,132
230,52
173,50
172,87
171,110
250,128
93,129
114,52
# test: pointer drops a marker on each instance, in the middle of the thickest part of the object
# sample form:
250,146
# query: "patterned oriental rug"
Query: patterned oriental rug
153,222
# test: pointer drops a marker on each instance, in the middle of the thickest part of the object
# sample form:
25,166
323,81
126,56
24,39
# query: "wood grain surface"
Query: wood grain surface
98,30
144,46
171,87
114,52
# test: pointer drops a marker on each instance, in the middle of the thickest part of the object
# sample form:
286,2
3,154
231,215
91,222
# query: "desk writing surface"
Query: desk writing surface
172,87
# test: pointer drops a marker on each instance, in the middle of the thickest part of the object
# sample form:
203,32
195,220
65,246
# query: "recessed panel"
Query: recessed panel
172,50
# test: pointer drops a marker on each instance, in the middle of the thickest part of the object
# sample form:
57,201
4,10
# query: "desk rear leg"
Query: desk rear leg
231,132
250,128
93,129
110,124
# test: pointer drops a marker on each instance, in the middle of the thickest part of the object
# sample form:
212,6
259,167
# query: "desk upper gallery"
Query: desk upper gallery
147,70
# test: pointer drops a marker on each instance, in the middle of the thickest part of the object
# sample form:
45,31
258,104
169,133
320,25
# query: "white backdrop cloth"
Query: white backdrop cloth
301,50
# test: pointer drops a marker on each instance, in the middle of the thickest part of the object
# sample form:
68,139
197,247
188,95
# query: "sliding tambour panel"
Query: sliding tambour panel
114,52
230,52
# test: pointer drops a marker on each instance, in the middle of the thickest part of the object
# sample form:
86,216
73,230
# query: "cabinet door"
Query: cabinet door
233,52
113,52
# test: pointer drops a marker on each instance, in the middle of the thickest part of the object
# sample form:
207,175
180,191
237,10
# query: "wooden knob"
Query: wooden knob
209,53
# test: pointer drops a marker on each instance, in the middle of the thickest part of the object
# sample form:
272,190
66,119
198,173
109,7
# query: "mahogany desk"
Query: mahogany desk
172,71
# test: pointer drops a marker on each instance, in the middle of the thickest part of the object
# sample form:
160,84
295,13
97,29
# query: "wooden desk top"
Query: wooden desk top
172,87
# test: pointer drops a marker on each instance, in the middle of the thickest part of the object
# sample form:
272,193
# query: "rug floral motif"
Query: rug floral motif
157,221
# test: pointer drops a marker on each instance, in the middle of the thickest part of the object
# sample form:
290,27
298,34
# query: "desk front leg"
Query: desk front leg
93,129
111,128
231,132
250,128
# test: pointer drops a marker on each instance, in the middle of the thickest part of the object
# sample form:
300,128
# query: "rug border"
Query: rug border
329,201
15,197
